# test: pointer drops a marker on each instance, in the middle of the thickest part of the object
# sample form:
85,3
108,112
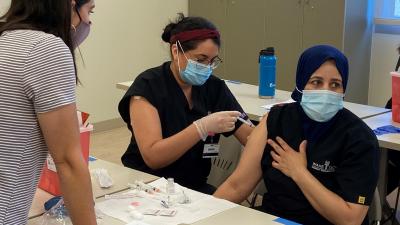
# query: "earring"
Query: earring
73,27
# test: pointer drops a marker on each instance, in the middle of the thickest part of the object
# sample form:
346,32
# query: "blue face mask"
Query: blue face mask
195,73
321,105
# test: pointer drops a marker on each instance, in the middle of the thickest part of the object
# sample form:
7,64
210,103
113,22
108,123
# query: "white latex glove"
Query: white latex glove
219,122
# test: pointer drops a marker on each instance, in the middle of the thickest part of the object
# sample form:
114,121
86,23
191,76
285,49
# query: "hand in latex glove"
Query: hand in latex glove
219,122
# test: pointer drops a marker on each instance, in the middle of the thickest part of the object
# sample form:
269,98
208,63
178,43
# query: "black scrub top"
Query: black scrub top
161,90
344,159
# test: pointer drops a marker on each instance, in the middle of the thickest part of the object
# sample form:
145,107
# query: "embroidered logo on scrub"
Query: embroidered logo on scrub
327,168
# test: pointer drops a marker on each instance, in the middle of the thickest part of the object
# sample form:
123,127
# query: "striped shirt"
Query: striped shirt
36,76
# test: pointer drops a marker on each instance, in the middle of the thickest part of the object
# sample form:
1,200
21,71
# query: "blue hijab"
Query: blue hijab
309,62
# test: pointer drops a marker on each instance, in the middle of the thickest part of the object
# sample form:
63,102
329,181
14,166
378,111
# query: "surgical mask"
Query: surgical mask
80,33
321,105
195,73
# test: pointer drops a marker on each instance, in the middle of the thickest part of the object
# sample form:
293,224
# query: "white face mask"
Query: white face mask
321,105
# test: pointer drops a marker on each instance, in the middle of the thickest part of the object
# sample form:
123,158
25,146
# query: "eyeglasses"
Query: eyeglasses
203,62
215,62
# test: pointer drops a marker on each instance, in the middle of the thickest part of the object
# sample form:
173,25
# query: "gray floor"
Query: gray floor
110,145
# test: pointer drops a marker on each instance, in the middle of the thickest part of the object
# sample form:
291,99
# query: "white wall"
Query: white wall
124,41
4,6
383,60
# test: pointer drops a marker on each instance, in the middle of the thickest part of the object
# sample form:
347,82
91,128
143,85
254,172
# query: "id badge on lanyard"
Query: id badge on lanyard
211,150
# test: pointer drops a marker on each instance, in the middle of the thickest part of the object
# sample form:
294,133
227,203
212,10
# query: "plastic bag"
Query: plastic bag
103,178
57,214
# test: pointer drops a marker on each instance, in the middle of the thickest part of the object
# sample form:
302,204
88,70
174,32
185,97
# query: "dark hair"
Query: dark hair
182,24
49,16
80,3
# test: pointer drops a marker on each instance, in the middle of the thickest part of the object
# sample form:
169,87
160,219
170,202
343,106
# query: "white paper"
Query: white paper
50,163
269,106
137,223
201,206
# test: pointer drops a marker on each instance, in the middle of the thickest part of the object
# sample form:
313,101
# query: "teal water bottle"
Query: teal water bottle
267,73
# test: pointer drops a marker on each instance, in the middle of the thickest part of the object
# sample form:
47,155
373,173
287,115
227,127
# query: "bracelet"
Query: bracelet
203,135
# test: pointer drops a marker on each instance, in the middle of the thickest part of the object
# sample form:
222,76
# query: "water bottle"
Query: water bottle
267,73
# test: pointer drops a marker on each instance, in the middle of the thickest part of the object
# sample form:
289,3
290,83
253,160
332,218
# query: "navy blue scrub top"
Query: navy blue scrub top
345,159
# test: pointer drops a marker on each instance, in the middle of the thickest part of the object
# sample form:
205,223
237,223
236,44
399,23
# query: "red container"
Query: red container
395,96
49,179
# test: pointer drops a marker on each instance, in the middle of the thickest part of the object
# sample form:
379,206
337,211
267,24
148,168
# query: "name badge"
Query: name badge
211,150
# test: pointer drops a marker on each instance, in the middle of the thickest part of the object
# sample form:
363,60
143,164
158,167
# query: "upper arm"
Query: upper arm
61,133
250,161
146,125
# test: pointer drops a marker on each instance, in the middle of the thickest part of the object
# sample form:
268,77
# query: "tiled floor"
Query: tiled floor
110,145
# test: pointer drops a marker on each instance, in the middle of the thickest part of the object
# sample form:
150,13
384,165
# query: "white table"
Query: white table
236,216
247,96
389,141
120,175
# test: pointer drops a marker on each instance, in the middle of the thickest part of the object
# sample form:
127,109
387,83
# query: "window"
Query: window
397,8
387,16
387,9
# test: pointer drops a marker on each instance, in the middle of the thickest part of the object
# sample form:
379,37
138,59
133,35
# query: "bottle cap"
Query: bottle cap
268,51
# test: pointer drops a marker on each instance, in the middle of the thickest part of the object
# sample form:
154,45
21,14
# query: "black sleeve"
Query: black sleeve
227,102
357,174
142,86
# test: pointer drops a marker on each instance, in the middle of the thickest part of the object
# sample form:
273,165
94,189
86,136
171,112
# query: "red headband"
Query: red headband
190,35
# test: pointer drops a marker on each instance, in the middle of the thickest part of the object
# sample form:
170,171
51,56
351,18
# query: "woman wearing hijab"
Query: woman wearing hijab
318,160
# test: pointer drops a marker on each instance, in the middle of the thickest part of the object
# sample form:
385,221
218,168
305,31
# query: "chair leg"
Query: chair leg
253,200
396,204
392,217
376,208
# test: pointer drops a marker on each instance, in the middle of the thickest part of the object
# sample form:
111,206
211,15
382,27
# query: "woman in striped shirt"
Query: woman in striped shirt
37,105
